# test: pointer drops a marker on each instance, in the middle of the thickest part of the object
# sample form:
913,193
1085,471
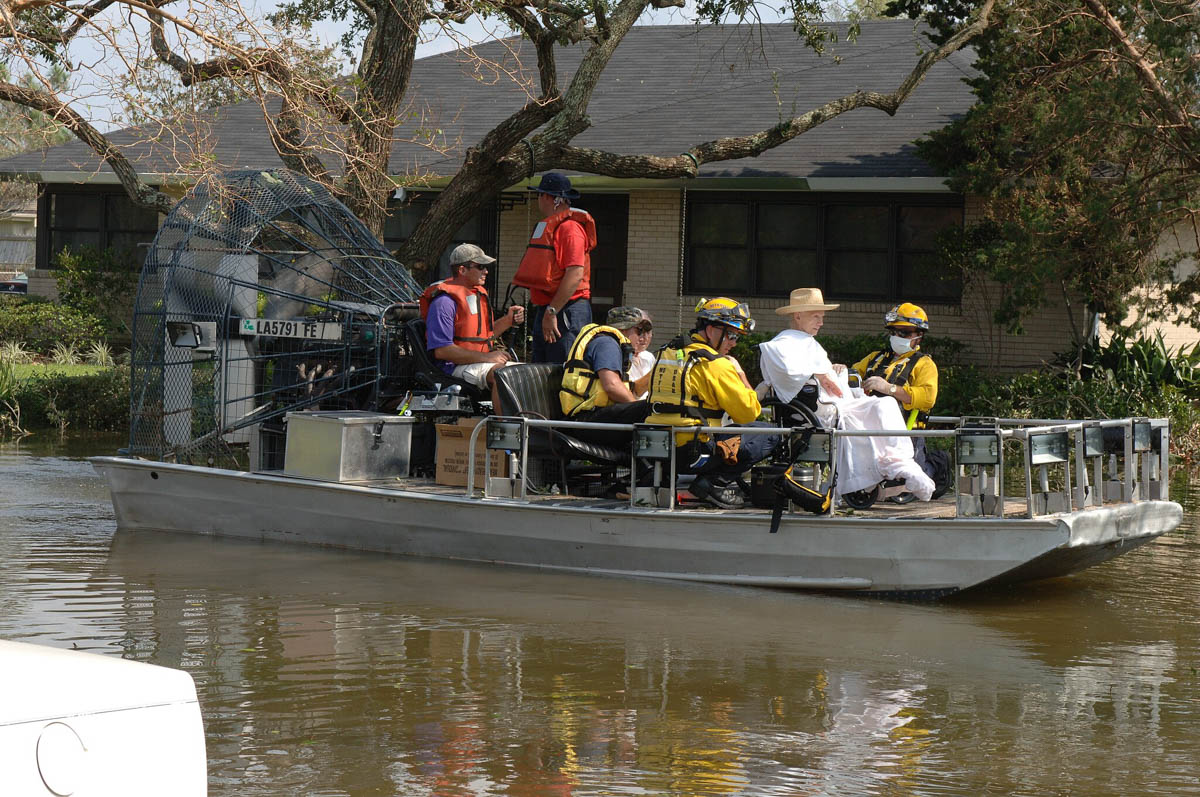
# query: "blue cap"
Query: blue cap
556,184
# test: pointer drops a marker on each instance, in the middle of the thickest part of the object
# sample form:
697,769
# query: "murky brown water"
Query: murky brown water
329,673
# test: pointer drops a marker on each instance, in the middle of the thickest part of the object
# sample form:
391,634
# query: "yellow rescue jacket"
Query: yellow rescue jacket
581,389
914,371
672,403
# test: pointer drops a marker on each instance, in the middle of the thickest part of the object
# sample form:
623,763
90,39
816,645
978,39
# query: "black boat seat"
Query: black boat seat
530,390
800,412
427,371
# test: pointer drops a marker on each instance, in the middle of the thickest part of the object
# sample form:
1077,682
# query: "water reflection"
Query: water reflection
331,673
527,683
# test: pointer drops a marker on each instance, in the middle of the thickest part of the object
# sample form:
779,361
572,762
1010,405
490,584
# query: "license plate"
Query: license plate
279,328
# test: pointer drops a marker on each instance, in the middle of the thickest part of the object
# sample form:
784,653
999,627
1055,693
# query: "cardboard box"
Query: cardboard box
453,441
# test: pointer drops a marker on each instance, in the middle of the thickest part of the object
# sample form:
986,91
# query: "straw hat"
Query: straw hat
804,300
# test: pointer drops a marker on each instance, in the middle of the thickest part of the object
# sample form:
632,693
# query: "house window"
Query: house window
79,217
869,247
480,230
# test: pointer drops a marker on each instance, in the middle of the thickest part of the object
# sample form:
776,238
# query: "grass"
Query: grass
25,371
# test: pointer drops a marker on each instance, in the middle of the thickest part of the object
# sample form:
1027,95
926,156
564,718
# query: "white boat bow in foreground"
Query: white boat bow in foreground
102,726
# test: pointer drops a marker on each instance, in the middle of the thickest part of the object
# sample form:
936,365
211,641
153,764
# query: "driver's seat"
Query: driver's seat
426,371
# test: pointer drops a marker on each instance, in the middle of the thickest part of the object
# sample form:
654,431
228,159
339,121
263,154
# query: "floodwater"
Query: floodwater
330,673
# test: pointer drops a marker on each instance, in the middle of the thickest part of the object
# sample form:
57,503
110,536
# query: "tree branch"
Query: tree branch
85,16
246,62
543,43
367,10
60,113
16,7
688,164
573,119
1145,73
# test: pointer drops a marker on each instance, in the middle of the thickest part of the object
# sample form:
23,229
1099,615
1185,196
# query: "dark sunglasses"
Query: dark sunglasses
904,333
644,328
477,266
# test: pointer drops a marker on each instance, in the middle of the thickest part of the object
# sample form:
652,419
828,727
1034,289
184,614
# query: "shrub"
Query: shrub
14,352
39,325
100,354
10,407
64,354
97,402
1139,362
1060,393
99,283
849,349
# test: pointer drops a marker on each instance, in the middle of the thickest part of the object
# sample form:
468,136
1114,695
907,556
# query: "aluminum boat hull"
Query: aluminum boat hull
885,556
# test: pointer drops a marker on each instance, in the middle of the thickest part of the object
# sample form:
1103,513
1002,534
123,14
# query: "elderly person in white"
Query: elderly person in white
794,357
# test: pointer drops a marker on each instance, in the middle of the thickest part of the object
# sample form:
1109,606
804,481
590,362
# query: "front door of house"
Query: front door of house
611,212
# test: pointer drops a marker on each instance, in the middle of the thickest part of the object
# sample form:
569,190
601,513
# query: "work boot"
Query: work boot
726,496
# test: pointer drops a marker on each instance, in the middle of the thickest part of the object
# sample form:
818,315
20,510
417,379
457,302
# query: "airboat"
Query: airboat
281,392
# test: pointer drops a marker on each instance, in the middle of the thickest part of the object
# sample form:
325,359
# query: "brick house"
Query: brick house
848,206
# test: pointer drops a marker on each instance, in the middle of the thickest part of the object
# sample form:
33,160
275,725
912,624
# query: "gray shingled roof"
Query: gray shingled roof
667,88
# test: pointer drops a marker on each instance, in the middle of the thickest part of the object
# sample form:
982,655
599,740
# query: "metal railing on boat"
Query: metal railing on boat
1067,465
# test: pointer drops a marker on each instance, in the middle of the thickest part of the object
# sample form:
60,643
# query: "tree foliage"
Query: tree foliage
39,324
1084,147
341,132
97,284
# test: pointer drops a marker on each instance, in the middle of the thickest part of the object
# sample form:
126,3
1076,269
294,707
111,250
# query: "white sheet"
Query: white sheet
789,360
863,462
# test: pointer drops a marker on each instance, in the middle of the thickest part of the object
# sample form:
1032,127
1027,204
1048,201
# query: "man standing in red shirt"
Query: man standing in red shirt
557,270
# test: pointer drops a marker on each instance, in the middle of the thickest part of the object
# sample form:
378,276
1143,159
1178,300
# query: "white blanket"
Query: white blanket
789,360
863,462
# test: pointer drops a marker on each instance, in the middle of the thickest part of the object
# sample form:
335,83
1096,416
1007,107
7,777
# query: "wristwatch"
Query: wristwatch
550,309
892,390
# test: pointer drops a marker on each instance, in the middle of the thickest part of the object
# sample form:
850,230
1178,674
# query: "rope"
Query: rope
527,328
682,239
533,160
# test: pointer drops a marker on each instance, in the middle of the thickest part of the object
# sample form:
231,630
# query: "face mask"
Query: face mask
900,345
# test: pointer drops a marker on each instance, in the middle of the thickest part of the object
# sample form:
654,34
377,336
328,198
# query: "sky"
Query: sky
95,97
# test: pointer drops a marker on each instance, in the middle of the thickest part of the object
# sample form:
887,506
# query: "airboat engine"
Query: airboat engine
263,295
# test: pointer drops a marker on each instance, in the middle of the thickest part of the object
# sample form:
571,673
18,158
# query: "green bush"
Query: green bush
40,325
1059,393
849,349
1139,362
99,283
10,408
15,353
95,402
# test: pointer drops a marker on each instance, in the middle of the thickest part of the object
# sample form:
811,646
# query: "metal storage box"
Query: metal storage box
347,445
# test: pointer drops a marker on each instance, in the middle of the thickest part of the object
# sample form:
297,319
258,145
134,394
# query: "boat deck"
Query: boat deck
943,508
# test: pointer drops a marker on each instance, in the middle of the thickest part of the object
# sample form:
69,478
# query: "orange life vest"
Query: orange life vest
472,327
540,270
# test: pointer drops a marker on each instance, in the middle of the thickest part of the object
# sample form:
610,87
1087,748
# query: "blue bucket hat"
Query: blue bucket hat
556,184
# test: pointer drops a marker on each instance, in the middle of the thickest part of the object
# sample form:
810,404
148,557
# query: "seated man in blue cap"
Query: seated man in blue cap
596,385
557,270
